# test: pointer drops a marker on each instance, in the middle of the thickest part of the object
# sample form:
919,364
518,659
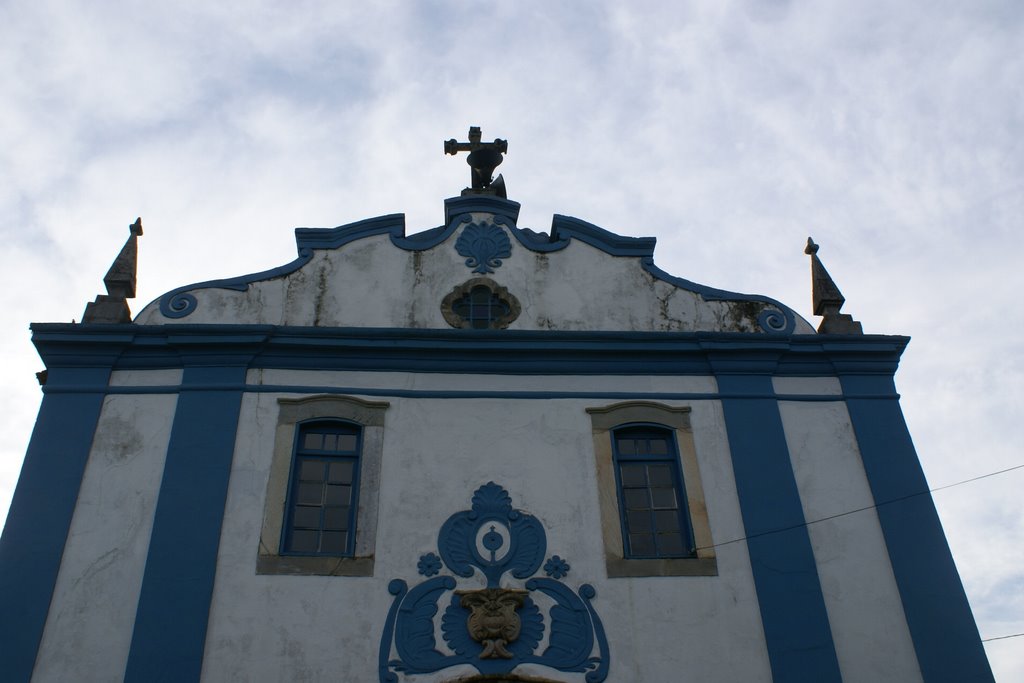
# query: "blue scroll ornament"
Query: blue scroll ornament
483,245
493,629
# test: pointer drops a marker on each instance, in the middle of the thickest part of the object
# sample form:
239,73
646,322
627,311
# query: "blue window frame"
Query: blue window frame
652,499
324,490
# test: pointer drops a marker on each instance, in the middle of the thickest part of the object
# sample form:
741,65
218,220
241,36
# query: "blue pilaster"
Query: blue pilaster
796,628
44,503
941,624
174,603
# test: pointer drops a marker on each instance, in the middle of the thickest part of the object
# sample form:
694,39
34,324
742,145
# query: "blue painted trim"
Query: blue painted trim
32,544
796,627
938,615
776,319
456,394
174,603
456,207
332,238
514,352
565,228
178,303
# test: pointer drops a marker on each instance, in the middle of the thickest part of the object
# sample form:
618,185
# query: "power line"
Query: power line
1012,635
967,481
868,507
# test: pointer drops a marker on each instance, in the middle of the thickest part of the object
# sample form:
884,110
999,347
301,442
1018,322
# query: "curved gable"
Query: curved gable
371,274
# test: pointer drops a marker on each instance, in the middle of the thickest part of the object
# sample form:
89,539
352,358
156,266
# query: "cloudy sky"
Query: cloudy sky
731,131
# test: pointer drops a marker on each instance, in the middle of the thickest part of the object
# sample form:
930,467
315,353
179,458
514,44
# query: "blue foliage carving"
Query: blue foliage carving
556,567
492,507
414,627
495,539
571,639
483,245
429,564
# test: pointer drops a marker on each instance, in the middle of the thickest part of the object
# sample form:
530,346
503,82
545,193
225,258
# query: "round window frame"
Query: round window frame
463,290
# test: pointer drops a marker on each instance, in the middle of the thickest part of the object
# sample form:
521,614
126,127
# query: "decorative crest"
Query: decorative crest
483,158
496,628
827,298
483,245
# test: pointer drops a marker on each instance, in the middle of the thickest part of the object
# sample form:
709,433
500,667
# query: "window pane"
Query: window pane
334,542
309,493
338,495
313,441
330,441
667,520
626,446
670,544
636,499
659,447
661,475
303,541
664,498
311,470
641,544
632,475
638,520
340,472
336,519
347,442
306,517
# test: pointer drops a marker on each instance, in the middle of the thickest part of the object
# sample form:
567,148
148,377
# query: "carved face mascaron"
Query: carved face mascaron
493,621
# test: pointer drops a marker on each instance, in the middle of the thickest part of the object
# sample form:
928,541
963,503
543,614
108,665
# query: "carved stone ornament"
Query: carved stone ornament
497,628
492,620
483,245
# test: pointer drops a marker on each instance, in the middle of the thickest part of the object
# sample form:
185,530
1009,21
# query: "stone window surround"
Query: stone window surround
604,420
458,322
370,416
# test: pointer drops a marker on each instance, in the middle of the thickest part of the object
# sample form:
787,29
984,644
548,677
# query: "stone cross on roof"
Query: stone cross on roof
483,158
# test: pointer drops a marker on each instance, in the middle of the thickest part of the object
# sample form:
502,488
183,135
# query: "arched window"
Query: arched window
324,489
652,499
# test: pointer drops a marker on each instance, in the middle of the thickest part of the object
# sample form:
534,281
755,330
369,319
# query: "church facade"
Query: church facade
476,452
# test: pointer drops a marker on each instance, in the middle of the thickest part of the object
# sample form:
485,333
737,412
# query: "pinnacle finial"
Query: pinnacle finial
112,307
827,299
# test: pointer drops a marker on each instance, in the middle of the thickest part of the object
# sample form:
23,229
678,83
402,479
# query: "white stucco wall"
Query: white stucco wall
866,616
92,613
372,283
436,453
